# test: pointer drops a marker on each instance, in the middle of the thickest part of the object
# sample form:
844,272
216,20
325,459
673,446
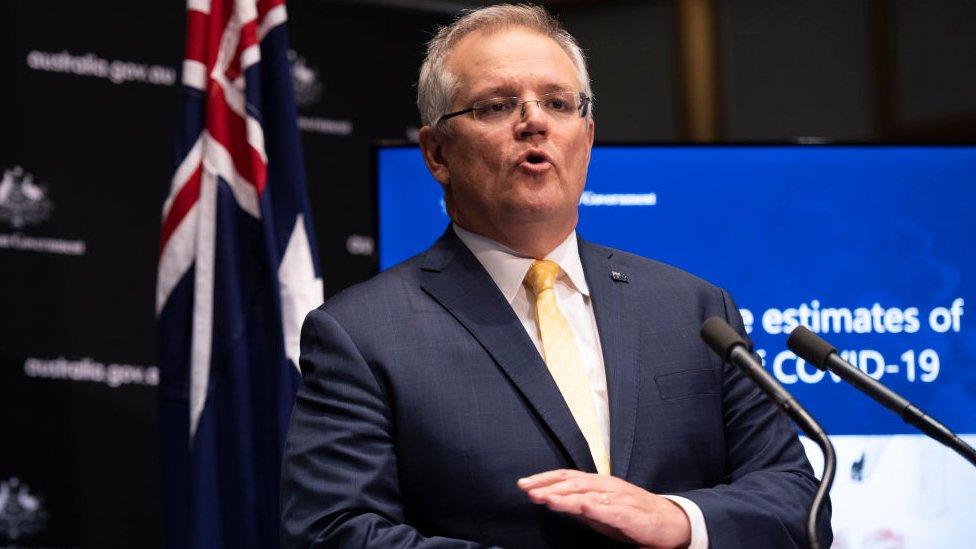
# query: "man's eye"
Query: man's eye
490,107
555,104
497,106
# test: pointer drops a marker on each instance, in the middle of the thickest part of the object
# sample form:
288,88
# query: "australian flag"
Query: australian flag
237,273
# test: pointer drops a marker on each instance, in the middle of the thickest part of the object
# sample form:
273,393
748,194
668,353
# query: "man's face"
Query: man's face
526,172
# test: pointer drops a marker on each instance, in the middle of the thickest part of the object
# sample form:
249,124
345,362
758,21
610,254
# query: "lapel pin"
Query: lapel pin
619,277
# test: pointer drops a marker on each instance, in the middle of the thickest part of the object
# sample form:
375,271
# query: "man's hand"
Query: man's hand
612,507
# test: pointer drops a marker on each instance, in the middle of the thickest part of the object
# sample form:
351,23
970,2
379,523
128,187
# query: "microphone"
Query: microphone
729,345
815,350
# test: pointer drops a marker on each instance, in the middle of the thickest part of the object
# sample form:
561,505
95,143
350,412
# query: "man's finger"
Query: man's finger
548,477
571,504
582,483
579,503
573,485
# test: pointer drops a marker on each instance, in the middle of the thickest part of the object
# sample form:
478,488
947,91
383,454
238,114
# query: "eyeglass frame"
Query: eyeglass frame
583,106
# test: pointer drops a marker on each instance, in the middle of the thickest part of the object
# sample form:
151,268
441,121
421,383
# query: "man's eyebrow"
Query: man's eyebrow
549,88
503,90
508,90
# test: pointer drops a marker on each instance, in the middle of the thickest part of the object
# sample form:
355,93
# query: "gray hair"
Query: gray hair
436,86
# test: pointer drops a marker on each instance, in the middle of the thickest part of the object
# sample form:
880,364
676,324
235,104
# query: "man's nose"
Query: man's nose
532,120
537,102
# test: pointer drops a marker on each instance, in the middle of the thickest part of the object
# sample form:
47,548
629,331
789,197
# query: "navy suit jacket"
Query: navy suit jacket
424,401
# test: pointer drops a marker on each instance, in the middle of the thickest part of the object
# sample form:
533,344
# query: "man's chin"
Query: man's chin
544,196
540,213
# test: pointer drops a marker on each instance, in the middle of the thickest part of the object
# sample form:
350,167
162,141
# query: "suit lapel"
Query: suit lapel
454,277
618,322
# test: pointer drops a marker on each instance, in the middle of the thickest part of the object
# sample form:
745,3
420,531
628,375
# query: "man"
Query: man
515,385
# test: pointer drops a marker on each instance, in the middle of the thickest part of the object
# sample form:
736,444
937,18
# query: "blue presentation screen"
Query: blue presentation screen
871,246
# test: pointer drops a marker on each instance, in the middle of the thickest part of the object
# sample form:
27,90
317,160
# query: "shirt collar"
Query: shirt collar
507,267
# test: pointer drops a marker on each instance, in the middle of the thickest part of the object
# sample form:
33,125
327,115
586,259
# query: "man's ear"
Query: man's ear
431,145
590,133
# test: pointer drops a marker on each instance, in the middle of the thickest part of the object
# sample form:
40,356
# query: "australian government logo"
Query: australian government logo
22,514
25,203
22,201
308,93
590,198
305,80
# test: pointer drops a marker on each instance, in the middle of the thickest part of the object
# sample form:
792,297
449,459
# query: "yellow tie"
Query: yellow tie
563,359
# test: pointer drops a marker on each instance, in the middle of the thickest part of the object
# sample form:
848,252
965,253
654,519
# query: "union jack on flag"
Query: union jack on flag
238,271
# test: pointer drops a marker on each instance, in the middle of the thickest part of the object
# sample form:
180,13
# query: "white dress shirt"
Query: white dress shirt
508,269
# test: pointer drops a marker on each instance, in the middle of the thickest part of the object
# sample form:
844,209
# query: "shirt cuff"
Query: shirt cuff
699,533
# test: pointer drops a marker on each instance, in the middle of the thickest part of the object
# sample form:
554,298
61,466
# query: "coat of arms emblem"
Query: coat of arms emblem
22,201
305,81
22,514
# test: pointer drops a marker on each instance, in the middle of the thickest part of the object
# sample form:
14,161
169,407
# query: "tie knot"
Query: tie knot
542,275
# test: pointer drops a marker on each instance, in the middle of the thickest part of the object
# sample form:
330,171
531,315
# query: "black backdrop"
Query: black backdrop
90,105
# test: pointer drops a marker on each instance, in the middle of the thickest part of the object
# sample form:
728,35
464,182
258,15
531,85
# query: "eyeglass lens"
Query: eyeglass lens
559,105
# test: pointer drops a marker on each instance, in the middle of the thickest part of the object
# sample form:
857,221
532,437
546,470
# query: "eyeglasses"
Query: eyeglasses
558,105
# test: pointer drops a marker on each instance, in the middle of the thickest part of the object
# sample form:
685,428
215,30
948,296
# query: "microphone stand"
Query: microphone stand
810,426
729,345
815,350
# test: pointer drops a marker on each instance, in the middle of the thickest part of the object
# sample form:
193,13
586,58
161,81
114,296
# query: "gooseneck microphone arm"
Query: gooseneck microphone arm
815,350
728,344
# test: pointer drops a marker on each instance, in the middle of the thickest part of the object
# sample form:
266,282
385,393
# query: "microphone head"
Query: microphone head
721,337
810,347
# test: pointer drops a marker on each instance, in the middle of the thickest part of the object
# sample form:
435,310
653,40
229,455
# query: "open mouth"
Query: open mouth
534,161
